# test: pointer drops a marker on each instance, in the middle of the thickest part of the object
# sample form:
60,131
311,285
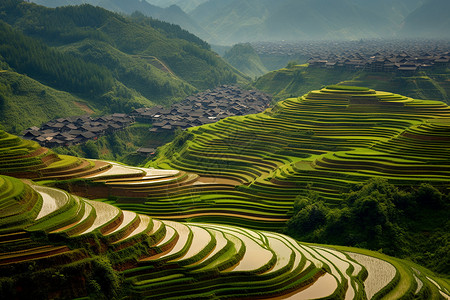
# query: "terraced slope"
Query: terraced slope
26,159
55,244
175,194
323,141
248,170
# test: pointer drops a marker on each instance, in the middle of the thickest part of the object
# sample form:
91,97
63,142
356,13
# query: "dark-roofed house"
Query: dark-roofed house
86,135
31,134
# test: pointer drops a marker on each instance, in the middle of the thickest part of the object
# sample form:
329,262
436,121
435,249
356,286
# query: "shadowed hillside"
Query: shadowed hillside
164,11
244,58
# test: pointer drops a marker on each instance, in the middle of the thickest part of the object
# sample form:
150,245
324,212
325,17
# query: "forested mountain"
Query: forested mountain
113,62
58,69
169,13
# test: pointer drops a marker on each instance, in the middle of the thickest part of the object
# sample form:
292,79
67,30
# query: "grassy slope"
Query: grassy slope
425,85
135,73
298,80
25,102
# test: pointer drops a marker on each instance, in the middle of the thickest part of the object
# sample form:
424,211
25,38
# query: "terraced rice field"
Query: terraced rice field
243,170
248,170
325,141
194,260
52,200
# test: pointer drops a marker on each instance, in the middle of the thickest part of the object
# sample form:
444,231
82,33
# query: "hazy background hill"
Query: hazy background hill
394,10
244,58
234,21
431,20
186,5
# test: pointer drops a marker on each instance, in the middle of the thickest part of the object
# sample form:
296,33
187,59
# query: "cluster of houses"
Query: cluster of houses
203,108
76,130
403,63
403,56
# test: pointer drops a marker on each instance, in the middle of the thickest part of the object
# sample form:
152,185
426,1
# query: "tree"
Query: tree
90,149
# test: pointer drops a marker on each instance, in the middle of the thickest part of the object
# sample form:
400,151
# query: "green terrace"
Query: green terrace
248,170
46,231
324,141
241,171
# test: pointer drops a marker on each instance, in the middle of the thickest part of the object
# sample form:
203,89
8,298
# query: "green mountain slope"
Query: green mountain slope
298,79
171,14
28,55
113,62
244,58
25,102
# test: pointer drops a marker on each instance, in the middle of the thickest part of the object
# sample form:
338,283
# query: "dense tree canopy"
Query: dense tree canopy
379,216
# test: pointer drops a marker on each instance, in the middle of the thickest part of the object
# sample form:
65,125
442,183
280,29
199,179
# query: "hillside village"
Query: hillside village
404,56
403,63
202,108
76,130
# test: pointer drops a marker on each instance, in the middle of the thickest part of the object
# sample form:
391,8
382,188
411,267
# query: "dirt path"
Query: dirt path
163,66
84,107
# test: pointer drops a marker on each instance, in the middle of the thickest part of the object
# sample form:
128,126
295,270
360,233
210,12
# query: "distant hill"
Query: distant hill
431,20
186,5
244,58
113,62
234,21
228,22
394,10
237,21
